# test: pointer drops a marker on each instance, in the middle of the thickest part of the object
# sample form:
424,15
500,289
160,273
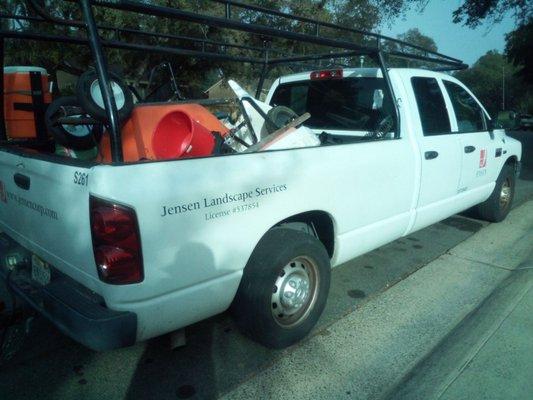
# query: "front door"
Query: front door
479,152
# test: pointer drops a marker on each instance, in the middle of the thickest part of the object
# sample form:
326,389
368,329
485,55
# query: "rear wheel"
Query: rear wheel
498,205
284,288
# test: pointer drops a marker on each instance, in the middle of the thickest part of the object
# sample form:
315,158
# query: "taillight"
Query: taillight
116,242
327,74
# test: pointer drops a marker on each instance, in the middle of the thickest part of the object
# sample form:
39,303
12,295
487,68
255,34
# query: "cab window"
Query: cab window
470,116
431,106
352,103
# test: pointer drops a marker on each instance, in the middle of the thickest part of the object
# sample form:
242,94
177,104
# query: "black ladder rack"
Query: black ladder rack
337,42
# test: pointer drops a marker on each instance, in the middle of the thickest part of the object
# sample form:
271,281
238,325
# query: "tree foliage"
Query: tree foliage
474,12
519,50
198,74
518,42
490,77
414,36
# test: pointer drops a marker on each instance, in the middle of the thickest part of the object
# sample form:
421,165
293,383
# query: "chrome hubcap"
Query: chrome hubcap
294,292
505,194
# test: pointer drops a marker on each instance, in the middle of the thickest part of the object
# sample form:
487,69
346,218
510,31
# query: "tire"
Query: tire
12,339
268,308
498,205
278,117
90,97
76,137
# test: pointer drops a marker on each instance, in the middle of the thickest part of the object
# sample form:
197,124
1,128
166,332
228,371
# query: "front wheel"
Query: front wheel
284,288
498,205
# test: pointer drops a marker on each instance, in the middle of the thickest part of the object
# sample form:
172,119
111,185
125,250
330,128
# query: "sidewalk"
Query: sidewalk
489,355
376,351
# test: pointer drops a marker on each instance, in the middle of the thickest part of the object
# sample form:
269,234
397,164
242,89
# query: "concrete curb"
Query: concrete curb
368,352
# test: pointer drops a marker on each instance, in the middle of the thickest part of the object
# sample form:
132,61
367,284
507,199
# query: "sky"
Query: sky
453,40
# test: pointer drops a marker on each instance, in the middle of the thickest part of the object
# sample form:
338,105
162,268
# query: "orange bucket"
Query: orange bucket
166,131
19,110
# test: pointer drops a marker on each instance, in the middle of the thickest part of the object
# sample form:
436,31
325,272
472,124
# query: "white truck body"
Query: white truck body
200,219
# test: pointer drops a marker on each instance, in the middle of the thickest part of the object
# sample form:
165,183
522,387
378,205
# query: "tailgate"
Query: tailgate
44,206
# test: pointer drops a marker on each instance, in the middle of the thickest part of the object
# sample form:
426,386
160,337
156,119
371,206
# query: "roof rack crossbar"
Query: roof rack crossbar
128,46
225,23
330,25
228,23
74,23
406,56
221,22
316,57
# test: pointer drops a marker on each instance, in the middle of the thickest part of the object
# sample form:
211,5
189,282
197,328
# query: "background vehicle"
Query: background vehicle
124,251
525,121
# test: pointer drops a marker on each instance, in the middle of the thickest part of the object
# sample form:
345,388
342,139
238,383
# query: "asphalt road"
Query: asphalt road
217,357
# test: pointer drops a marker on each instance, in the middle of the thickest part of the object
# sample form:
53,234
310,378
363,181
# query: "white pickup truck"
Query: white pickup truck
115,254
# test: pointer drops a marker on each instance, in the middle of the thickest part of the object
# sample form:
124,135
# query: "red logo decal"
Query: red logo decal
483,158
3,196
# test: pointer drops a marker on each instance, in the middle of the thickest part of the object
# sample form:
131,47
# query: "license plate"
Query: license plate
40,271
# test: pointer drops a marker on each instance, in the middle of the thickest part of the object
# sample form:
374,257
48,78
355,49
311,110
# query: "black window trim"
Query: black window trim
445,106
486,117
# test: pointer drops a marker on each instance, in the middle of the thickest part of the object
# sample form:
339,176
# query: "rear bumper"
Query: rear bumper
76,311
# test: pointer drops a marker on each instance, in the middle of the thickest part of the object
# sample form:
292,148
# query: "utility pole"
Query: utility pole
503,88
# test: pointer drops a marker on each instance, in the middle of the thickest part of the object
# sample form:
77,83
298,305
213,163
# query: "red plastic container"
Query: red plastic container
177,135
166,131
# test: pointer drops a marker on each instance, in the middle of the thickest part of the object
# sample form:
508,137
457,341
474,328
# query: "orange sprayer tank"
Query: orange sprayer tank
166,131
19,109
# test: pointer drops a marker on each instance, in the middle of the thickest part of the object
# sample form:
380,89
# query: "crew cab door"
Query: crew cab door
439,151
477,148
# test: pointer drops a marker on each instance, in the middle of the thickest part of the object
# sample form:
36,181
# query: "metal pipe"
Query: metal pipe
3,134
154,35
313,57
264,71
399,54
366,50
327,25
386,77
103,80
129,46
167,12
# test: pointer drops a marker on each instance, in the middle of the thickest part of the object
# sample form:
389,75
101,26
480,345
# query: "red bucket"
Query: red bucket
178,135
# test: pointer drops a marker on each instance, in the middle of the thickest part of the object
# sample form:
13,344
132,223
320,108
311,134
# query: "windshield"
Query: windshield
358,103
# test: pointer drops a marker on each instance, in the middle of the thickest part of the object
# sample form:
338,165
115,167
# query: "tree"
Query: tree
518,42
414,37
518,50
487,77
474,12
197,73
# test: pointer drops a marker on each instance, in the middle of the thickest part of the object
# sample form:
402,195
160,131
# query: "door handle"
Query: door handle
22,181
430,155
469,149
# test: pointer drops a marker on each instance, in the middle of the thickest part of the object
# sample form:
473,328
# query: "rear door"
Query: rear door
439,152
479,152
44,207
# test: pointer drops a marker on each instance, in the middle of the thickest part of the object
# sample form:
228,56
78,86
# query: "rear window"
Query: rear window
344,104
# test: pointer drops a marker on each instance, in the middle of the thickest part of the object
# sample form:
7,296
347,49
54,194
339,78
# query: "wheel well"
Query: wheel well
319,223
513,160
